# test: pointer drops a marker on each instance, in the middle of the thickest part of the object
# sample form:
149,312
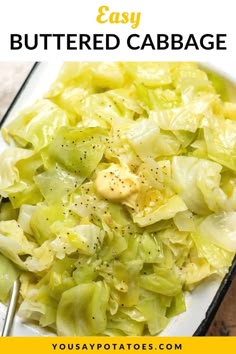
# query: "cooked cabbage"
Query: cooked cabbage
118,194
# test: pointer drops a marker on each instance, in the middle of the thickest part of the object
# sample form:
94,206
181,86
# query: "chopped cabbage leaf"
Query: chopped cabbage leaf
148,142
8,274
147,307
36,126
13,242
167,211
220,229
219,258
9,174
78,150
164,282
220,139
82,310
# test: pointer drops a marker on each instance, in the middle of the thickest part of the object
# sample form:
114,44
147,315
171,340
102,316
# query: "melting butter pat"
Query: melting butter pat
116,183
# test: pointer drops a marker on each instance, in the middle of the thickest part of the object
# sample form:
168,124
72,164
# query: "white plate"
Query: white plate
205,299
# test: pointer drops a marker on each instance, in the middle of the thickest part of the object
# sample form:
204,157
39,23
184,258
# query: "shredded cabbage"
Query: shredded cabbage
118,194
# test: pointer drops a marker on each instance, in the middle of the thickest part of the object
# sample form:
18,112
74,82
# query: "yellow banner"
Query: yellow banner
49,345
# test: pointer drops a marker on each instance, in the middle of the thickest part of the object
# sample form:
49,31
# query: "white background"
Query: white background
158,16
